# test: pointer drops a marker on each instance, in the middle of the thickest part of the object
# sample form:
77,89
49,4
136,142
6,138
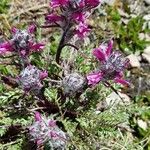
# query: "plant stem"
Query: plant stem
48,26
61,43
114,90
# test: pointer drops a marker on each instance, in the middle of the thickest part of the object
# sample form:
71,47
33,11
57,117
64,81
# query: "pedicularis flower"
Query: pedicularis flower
73,83
45,131
30,79
71,13
22,42
112,65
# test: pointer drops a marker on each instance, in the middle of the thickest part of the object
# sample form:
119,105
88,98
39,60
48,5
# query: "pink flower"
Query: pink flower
82,30
57,3
30,79
39,142
81,3
53,18
38,116
54,135
103,52
79,17
5,47
112,65
43,74
93,3
22,41
35,47
94,78
52,123
14,30
44,131
32,28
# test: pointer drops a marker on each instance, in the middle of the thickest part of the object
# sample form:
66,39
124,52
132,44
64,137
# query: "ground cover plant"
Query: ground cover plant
64,85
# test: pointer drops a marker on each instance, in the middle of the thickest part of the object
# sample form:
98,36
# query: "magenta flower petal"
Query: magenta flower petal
127,62
23,52
14,30
37,46
38,116
43,74
82,30
57,3
5,47
3,50
100,55
39,142
93,3
109,49
119,75
122,81
78,16
94,78
52,18
53,134
52,123
32,28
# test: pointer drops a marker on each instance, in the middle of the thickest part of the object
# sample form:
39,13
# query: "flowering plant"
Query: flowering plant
30,79
22,42
71,16
45,131
54,91
112,65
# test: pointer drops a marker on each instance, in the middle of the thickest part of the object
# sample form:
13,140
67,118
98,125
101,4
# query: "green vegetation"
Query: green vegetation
110,128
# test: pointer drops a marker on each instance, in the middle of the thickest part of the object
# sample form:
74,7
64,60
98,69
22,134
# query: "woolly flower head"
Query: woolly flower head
44,131
112,65
22,41
30,79
73,83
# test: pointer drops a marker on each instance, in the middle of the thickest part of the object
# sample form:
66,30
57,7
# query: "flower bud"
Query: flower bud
73,83
46,132
21,39
30,79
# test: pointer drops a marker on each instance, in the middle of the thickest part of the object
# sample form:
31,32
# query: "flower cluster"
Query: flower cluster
45,131
67,13
73,83
112,65
22,42
71,16
30,79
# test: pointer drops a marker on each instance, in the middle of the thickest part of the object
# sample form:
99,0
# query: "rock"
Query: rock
134,61
147,17
123,14
146,25
142,124
147,2
147,50
114,99
125,21
125,127
146,54
147,22
101,106
138,7
143,36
